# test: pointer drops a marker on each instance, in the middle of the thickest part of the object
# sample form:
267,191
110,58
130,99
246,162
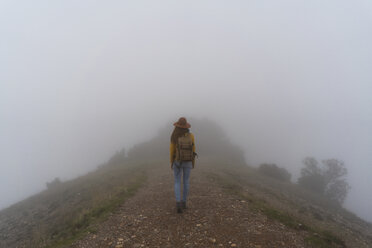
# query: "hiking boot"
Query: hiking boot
183,204
179,207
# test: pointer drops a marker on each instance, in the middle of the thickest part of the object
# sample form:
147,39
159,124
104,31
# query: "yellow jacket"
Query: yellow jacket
172,149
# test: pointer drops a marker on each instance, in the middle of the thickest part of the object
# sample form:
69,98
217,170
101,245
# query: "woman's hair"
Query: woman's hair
178,132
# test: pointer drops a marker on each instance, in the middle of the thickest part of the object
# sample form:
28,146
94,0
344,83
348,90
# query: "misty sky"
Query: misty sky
82,79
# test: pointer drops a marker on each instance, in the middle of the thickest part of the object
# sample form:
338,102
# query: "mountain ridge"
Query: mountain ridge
77,212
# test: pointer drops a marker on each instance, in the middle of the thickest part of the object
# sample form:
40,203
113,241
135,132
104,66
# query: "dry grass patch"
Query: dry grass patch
61,214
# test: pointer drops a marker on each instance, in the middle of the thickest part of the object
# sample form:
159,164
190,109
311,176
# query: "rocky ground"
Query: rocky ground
213,219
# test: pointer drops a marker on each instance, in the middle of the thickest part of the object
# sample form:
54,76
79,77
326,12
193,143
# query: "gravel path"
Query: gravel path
213,219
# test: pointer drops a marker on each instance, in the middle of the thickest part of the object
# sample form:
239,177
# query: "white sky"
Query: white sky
81,79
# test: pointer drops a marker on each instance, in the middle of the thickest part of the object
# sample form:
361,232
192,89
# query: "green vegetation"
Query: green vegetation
272,170
317,237
85,218
328,179
69,210
282,217
324,239
257,204
53,183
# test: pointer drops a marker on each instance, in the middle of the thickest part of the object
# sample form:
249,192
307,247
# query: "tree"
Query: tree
335,173
312,176
334,169
328,180
337,191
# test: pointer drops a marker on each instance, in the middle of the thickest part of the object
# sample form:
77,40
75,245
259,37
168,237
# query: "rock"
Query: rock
212,240
233,245
198,225
301,226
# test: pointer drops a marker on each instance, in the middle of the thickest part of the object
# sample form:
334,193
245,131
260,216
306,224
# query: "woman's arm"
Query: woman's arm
172,152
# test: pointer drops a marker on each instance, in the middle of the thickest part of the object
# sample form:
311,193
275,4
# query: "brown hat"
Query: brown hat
182,123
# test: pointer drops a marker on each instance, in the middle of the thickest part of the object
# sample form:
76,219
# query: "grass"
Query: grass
282,217
60,215
87,217
324,239
317,237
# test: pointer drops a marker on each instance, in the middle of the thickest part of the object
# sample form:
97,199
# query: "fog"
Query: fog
82,79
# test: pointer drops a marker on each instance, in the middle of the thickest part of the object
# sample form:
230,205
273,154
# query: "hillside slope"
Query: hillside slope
213,218
221,213
129,202
64,212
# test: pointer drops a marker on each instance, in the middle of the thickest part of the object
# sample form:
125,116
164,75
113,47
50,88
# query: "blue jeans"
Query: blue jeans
181,168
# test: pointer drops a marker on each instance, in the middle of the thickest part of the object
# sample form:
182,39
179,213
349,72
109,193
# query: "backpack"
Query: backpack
184,148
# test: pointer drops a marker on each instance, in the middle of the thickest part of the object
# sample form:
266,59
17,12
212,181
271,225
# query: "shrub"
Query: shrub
118,158
53,184
272,170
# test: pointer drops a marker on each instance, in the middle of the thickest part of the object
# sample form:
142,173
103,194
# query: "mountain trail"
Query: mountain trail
213,219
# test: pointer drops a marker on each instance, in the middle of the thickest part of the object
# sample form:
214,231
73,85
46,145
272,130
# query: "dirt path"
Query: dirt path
213,219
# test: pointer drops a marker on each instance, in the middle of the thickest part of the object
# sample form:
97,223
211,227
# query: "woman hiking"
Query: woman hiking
182,151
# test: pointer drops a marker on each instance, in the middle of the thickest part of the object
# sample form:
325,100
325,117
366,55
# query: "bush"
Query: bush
272,170
53,184
118,158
